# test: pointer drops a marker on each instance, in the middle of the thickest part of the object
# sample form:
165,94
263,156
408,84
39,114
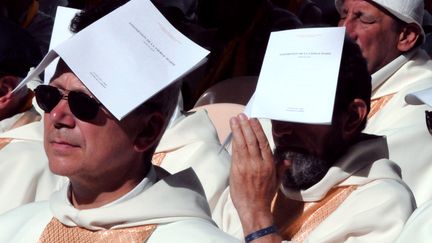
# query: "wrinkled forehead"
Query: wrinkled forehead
341,5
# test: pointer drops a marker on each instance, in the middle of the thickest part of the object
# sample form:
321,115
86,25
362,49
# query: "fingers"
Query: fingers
239,148
263,143
249,136
253,176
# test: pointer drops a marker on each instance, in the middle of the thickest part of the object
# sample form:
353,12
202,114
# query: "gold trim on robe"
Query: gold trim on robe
60,233
4,142
295,219
158,158
377,104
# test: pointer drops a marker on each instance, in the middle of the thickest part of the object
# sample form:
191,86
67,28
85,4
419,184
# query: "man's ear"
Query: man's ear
151,132
7,85
357,115
408,37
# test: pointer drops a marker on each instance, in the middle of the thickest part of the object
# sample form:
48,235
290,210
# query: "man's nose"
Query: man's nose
61,115
349,25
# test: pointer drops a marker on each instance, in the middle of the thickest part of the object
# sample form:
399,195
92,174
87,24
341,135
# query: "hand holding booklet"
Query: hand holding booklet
127,56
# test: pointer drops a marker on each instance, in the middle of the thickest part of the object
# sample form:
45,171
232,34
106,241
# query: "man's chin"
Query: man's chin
62,166
290,185
303,172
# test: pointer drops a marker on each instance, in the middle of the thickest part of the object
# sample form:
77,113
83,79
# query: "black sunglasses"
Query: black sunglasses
428,115
81,105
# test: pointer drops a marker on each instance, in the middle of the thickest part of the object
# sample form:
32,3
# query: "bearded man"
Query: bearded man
325,183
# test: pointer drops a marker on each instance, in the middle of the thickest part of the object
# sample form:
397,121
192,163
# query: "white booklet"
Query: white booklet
299,75
127,56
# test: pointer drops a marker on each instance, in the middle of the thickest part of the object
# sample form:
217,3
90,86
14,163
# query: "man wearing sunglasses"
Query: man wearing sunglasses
24,176
114,194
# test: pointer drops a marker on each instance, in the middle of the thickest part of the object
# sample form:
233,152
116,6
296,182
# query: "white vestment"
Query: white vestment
24,172
418,229
176,203
404,125
192,141
374,212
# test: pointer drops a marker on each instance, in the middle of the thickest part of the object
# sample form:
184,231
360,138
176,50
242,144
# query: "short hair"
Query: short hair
88,16
165,100
354,80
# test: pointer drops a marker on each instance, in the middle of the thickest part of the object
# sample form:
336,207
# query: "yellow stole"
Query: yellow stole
60,233
377,104
295,219
158,158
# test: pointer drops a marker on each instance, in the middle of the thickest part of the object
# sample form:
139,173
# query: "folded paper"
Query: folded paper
127,56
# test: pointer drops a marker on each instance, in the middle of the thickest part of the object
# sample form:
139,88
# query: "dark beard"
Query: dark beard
305,171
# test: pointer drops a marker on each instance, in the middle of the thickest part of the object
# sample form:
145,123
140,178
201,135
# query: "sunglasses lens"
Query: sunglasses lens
47,97
83,106
429,121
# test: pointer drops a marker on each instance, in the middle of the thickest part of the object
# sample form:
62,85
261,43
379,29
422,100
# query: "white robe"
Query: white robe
404,125
192,141
176,203
418,229
375,212
24,172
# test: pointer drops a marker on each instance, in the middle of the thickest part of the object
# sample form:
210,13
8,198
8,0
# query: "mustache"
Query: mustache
305,170
62,136
287,153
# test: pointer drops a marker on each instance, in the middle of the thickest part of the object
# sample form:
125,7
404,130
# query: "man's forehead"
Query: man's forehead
340,4
366,3
61,68
370,7
65,78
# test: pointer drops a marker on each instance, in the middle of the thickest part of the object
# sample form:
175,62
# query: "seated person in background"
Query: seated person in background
419,226
390,35
27,14
114,192
325,183
23,165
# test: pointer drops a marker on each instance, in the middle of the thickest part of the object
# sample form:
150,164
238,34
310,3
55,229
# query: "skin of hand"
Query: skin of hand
253,178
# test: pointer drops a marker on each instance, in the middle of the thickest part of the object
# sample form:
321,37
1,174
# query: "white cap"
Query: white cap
420,97
409,11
